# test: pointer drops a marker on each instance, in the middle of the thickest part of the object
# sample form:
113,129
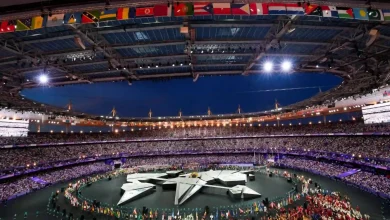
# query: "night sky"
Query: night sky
221,93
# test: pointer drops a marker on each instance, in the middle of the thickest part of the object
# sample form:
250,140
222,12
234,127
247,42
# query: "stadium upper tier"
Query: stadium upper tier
60,45
168,133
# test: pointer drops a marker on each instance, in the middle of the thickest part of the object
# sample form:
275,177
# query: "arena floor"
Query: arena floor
109,192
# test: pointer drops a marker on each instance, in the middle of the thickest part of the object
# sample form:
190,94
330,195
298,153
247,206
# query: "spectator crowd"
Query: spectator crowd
368,149
26,184
371,182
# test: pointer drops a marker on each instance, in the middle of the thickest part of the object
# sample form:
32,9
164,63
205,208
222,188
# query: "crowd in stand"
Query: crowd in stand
198,132
378,183
326,169
26,184
365,180
365,149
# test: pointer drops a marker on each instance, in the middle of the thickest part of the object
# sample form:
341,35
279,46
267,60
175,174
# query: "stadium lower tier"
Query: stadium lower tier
369,181
104,189
371,150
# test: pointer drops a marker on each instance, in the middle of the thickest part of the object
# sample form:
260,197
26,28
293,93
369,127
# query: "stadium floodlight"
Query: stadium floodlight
286,66
268,66
43,79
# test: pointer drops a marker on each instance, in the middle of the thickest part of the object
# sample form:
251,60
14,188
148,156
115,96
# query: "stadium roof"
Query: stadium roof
153,48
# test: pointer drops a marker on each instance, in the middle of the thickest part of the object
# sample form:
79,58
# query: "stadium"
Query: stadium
127,109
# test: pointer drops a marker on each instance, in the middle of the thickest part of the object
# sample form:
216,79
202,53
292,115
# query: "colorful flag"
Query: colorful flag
386,14
143,12
55,20
125,13
162,10
36,22
258,9
277,9
360,13
90,17
329,11
7,26
203,8
72,18
240,9
345,12
108,15
23,24
313,10
294,9
222,8
184,9
375,15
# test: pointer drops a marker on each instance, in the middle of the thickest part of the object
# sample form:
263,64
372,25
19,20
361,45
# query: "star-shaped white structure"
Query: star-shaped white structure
187,187
135,190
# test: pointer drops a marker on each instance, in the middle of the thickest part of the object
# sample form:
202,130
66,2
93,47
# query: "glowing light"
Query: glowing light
268,66
286,66
43,79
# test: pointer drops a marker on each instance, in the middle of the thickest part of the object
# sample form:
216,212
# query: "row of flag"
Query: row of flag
195,9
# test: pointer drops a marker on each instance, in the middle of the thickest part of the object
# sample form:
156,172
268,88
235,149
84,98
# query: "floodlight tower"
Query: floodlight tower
113,112
69,106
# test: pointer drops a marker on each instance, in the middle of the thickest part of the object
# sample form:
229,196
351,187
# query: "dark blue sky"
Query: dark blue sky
221,93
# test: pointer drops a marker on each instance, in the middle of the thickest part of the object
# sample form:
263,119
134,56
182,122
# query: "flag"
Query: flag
344,12
7,26
162,10
221,8
375,15
240,9
36,22
184,9
386,14
55,20
108,15
23,24
72,18
294,9
313,10
258,9
90,17
360,13
203,8
125,13
143,12
277,9
329,12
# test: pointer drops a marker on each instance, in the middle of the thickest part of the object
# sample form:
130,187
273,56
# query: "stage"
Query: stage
109,192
